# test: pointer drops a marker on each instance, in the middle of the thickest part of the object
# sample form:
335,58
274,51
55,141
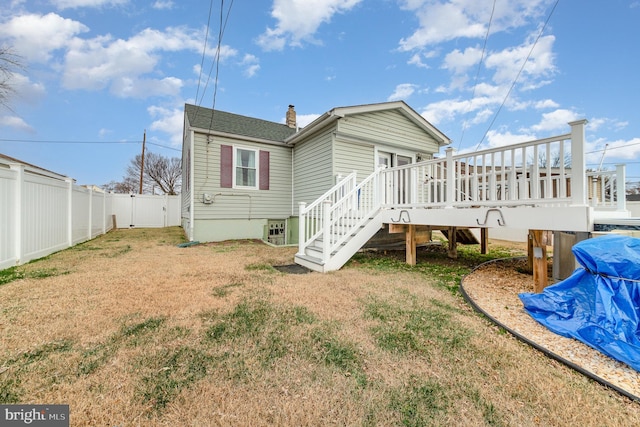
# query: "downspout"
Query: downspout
293,176
192,197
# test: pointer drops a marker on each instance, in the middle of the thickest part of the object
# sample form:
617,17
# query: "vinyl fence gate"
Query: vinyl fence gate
146,211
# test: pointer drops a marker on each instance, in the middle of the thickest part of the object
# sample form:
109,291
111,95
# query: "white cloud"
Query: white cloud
459,62
504,138
441,21
27,91
16,123
251,65
402,91
555,120
596,123
163,4
303,120
508,62
35,37
298,20
120,64
169,121
546,103
74,4
126,87
449,109
416,59
622,149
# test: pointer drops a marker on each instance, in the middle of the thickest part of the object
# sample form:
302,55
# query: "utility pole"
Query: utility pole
144,139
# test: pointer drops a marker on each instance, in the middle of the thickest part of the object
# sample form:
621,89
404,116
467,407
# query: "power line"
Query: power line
204,51
217,58
475,82
614,148
518,75
46,141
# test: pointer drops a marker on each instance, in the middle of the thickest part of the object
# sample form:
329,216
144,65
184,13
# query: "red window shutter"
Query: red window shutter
264,170
226,166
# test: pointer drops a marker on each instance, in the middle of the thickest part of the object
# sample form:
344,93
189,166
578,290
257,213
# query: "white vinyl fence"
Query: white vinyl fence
42,212
146,211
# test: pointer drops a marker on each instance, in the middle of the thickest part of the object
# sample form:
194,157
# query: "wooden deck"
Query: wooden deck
537,185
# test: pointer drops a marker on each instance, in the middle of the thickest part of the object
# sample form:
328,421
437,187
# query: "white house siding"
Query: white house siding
312,169
350,156
243,209
391,128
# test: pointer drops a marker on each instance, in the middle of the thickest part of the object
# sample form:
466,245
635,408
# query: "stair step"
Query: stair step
311,258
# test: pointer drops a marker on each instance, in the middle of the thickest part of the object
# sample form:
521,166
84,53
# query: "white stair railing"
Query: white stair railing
311,218
333,220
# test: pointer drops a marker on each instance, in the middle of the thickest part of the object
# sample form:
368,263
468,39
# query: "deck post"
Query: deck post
578,164
621,190
410,243
453,242
450,179
539,258
301,228
484,240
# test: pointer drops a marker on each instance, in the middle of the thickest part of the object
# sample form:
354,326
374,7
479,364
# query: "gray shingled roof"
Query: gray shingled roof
236,124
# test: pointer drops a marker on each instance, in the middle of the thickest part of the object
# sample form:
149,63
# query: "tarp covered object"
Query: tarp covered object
599,304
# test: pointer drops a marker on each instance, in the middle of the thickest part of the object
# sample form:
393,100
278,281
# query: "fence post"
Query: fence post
18,247
69,182
90,214
621,190
104,212
578,164
301,228
450,179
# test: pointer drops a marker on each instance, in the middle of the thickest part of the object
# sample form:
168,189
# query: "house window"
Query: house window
245,168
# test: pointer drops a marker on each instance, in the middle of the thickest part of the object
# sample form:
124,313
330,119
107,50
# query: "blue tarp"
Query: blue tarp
599,304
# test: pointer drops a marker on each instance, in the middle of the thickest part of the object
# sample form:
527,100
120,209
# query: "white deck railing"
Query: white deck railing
549,172
606,189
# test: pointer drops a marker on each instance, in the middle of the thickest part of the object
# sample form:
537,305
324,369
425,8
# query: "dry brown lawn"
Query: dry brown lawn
131,330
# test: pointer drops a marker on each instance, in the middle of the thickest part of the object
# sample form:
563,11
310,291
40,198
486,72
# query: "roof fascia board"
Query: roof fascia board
314,127
237,136
402,106
340,112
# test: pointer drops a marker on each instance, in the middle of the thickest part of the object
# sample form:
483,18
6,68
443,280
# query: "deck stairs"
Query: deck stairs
463,236
511,186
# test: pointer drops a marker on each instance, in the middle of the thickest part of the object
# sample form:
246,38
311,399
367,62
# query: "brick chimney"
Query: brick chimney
291,117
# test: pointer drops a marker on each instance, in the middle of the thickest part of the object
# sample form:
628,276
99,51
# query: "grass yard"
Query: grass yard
131,330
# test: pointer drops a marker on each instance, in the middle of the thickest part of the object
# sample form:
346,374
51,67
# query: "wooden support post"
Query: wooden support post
539,259
484,240
529,253
453,243
410,240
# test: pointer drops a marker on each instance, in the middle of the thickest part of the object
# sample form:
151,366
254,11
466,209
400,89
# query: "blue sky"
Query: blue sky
99,72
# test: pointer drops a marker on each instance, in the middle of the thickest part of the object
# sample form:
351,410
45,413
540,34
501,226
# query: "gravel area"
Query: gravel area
494,288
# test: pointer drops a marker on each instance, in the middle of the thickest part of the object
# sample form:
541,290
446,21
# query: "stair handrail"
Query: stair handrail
311,230
351,212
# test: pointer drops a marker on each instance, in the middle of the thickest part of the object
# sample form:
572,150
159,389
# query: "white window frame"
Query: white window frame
256,154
